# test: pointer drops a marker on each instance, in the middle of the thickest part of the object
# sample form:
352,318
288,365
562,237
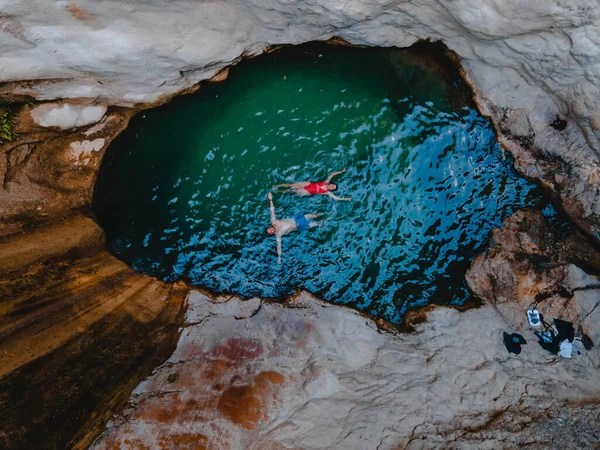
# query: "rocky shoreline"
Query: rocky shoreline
310,375
85,329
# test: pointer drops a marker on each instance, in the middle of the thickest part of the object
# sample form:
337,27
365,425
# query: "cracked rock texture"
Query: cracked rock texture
534,65
528,264
309,375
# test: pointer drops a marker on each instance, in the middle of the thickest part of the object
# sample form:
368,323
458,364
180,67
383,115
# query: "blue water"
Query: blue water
182,193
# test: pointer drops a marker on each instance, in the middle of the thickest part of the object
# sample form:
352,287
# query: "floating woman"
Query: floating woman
314,188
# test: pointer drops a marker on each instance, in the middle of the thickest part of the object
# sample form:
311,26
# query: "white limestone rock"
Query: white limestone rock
202,307
81,152
293,377
65,115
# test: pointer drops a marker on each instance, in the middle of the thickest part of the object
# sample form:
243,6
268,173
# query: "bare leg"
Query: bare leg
292,185
313,224
312,216
295,188
299,191
281,187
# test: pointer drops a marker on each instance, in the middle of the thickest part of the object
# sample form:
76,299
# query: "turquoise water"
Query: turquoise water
182,193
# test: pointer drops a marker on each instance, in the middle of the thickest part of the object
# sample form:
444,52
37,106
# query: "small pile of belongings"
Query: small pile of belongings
558,339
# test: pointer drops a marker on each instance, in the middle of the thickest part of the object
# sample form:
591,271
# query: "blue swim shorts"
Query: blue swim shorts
302,223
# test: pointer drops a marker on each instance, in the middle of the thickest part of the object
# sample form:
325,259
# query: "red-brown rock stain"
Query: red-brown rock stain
247,405
236,349
130,444
220,383
225,358
217,369
79,13
184,441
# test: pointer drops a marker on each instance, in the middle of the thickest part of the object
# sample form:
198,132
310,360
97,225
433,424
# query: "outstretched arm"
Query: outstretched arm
333,175
278,238
272,207
335,197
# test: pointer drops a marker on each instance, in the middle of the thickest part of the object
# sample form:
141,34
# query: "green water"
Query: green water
182,193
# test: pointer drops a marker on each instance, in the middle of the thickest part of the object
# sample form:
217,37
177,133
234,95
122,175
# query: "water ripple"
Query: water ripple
182,193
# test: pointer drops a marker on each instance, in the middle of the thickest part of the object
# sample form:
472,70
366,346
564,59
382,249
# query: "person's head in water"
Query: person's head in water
331,187
271,230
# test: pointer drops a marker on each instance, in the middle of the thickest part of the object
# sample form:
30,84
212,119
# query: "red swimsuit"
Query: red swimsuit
316,188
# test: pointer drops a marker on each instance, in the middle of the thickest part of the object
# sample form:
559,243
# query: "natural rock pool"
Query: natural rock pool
182,193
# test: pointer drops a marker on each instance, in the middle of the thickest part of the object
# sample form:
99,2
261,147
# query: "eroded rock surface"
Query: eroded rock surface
48,172
529,264
309,375
78,330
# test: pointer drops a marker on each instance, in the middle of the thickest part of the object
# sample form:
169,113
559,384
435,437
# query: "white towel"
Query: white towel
566,348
